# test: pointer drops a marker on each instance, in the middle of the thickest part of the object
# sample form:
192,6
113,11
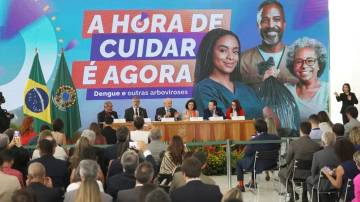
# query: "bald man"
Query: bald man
166,111
40,185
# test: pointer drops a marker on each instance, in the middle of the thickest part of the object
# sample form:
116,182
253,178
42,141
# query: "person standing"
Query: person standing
347,98
5,116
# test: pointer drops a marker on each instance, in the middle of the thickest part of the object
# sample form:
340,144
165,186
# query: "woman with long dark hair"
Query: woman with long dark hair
235,109
347,98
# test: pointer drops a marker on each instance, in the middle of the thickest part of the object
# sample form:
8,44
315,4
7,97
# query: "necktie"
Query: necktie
137,111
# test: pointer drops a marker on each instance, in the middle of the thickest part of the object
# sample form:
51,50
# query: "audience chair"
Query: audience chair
321,181
301,170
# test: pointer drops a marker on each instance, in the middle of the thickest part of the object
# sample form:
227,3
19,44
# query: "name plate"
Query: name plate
147,120
216,118
240,118
170,119
196,118
119,121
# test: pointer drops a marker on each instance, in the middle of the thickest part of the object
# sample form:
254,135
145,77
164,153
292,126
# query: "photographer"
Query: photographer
5,116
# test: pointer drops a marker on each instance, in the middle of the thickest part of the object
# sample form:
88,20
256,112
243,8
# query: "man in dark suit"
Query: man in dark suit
195,190
144,174
108,132
56,169
40,185
247,162
166,111
213,110
300,149
5,116
135,110
108,111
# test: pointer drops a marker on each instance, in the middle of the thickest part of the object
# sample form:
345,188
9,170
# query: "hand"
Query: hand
336,94
48,182
271,72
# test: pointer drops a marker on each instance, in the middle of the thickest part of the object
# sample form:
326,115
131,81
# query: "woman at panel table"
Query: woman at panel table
217,74
234,110
190,111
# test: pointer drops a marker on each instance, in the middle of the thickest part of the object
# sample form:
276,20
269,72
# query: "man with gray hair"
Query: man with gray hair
156,146
4,141
40,185
326,157
108,111
166,111
126,179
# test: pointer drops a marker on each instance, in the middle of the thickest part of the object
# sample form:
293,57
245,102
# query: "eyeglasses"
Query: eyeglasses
308,61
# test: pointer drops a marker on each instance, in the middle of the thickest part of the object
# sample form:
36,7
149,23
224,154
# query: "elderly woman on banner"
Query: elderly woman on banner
307,61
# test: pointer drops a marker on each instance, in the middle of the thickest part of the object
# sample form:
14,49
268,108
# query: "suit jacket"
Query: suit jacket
207,113
21,159
345,102
156,147
101,116
120,182
56,169
179,180
44,194
196,191
161,112
129,113
110,134
350,125
129,195
71,196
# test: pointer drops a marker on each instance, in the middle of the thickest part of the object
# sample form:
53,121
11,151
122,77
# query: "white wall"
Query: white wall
344,50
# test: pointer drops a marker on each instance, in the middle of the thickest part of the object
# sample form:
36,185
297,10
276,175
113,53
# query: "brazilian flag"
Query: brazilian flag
64,100
36,96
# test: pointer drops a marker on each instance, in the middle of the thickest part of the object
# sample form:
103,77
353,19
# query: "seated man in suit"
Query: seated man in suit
108,132
166,111
135,110
213,110
144,174
56,169
300,149
195,190
40,185
247,162
108,111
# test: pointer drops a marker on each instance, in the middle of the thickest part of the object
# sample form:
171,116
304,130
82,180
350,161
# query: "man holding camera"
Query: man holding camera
5,116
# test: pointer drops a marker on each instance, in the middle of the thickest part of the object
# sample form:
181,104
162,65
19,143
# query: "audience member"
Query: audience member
195,190
325,157
126,179
108,111
6,166
135,110
354,137
99,139
232,194
89,190
178,177
339,130
20,154
139,134
40,185
300,149
212,110
108,132
26,130
58,132
166,111
56,169
4,142
356,158
144,174
190,110
35,140
59,153
145,190
158,195
172,159
91,136
315,132
248,161
234,110
156,146
347,169
351,114
22,195
9,184
325,124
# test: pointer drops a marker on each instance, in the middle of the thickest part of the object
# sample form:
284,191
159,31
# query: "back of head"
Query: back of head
328,138
90,135
23,195
10,133
58,125
45,134
122,134
46,147
305,128
88,169
260,126
355,135
144,173
6,156
323,117
129,161
233,194
36,170
344,149
338,129
95,127
4,141
191,167
155,134
201,156
157,195
108,120
139,122
88,153
176,149
352,111
314,119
